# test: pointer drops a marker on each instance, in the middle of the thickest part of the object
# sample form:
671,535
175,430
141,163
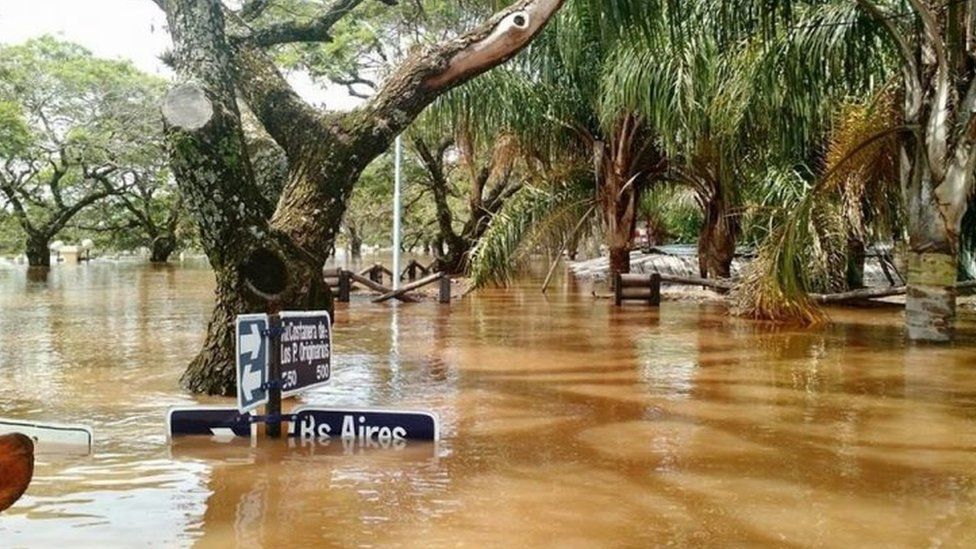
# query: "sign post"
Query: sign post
273,425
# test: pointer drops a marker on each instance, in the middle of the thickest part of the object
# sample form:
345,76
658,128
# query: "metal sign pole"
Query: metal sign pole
398,180
273,428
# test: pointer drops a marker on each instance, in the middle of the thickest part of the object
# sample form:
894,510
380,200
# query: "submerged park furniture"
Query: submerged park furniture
632,287
647,287
341,281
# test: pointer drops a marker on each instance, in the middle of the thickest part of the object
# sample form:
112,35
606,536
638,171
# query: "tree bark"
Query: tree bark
930,305
355,243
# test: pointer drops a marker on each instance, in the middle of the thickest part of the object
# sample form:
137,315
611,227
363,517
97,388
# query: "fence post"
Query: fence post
618,295
344,286
445,293
655,298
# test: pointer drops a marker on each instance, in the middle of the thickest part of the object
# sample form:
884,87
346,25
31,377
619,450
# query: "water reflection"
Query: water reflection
565,421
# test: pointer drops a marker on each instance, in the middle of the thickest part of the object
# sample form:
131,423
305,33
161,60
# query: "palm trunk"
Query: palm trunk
930,306
716,242
622,223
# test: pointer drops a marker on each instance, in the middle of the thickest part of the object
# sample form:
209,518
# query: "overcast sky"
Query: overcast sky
126,29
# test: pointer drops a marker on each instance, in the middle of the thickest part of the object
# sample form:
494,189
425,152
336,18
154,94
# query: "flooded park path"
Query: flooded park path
564,422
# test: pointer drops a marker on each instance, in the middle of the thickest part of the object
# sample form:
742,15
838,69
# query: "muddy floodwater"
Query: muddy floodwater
564,423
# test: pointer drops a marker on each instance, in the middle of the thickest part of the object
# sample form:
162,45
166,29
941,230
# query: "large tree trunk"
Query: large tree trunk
257,267
245,289
37,251
621,165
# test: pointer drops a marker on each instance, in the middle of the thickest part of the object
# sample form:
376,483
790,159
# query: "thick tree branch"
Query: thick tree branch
316,30
424,77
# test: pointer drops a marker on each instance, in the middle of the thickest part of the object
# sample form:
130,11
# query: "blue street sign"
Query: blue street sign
209,421
306,351
365,427
252,361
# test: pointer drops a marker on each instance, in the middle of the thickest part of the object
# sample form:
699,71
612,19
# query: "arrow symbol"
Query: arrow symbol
251,343
252,382
222,434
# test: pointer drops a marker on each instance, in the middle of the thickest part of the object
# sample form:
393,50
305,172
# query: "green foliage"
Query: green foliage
368,43
79,132
534,216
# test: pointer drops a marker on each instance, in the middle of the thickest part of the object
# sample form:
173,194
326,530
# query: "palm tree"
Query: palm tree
928,46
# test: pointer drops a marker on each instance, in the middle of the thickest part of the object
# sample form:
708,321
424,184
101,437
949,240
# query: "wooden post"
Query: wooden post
344,286
618,296
411,270
376,274
655,298
273,425
445,294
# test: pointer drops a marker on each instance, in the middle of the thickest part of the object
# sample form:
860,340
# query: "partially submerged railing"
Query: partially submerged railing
341,282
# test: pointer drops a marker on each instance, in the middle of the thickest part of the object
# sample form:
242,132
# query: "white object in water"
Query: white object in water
52,438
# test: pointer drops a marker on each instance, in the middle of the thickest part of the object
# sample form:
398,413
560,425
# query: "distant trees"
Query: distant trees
76,131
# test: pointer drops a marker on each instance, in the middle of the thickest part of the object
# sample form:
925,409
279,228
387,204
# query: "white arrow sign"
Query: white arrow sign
251,382
250,344
252,361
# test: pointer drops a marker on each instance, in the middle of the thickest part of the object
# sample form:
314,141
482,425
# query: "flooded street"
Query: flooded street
563,422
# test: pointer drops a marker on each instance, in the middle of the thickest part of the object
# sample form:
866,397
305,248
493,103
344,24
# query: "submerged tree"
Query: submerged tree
71,125
266,252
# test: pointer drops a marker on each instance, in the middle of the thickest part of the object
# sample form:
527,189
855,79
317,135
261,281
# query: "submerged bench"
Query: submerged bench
631,287
647,287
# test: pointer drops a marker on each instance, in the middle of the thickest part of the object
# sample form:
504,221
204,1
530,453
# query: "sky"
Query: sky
121,29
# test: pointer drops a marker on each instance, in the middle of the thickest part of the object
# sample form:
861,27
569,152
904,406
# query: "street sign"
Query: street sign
252,361
52,438
306,351
365,426
209,421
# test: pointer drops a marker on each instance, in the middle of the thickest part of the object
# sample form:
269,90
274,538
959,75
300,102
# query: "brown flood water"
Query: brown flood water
564,423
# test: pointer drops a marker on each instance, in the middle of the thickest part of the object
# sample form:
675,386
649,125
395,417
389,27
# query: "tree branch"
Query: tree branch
423,78
316,30
253,9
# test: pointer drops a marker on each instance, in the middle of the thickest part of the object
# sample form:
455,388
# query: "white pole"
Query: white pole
398,180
